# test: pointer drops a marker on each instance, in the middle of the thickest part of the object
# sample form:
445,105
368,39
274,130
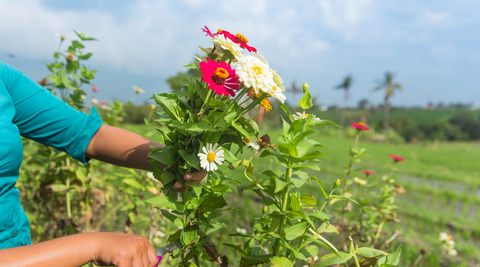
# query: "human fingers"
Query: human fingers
195,177
179,187
152,256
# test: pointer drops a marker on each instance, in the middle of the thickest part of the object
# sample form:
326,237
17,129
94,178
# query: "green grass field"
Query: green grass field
442,182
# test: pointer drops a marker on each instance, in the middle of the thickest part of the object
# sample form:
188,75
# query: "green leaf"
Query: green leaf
370,252
162,155
286,110
169,106
321,186
311,166
296,213
255,260
220,188
85,56
320,216
77,44
307,252
191,66
58,187
239,128
392,258
67,83
295,202
83,37
164,201
251,126
235,248
166,177
306,101
132,182
171,217
332,259
327,228
212,203
217,104
281,262
190,158
387,265
308,199
345,198
299,178
189,234
296,230
320,123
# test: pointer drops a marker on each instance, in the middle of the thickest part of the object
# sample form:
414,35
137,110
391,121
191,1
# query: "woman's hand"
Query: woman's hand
195,177
123,250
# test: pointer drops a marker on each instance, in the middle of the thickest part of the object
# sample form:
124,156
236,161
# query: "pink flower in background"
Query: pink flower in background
397,158
360,126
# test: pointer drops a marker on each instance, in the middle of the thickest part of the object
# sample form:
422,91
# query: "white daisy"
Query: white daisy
452,253
138,90
212,154
241,230
251,144
228,45
255,73
62,37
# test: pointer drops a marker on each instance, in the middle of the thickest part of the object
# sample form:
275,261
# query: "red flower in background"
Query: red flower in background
360,126
220,77
368,172
397,158
95,89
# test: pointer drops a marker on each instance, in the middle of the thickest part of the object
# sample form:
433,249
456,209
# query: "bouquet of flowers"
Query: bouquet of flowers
206,128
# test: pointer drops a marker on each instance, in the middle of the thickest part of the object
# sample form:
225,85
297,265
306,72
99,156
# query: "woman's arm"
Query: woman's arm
104,249
124,148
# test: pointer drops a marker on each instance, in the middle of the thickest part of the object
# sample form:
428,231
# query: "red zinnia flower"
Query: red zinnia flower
368,172
95,89
397,158
238,38
360,126
220,77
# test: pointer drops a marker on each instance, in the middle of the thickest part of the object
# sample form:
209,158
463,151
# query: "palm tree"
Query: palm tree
390,87
345,85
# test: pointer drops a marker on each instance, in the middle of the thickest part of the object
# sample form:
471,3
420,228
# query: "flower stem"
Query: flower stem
205,104
350,167
288,174
379,231
231,104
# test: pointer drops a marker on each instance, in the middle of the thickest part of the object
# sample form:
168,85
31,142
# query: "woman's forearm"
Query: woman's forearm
76,250
121,147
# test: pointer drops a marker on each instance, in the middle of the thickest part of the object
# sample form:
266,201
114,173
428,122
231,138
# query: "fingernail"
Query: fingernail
177,185
188,177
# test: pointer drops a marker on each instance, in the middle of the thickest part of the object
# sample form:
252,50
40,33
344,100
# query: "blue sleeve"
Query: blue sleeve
41,116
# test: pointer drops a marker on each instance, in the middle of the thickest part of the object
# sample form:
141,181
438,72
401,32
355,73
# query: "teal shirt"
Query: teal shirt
31,111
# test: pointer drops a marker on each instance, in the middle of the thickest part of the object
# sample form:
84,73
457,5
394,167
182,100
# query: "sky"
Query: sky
433,46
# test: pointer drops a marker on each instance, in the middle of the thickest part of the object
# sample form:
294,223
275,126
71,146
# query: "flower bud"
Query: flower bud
152,106
305,87
265,209
336,183
69,58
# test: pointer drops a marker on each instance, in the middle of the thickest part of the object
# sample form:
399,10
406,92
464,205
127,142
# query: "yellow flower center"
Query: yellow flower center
247,140
257,70
240,38
274,88
219,31
211,157
219,76
306,115
361,124
266,104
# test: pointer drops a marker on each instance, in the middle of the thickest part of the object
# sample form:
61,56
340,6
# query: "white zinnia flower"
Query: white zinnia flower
138,90
150,176
311,260
443,236
359,181
229,45
452,252
299,116
94,101
62,37
241,230
255,73
251,144
212,154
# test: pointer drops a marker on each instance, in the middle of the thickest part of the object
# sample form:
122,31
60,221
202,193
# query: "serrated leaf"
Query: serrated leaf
190,158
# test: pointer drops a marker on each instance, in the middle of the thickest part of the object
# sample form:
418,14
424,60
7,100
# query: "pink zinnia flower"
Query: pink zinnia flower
368,172
360,126
220,77
397,158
